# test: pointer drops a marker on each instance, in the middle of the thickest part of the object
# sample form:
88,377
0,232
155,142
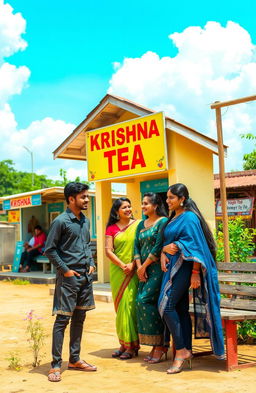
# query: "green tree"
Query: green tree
7,174
15,182
250,158
65,180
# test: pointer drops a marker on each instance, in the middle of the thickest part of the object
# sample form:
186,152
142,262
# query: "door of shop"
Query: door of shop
158,186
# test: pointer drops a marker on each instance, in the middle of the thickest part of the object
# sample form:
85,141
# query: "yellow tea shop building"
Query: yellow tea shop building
127,143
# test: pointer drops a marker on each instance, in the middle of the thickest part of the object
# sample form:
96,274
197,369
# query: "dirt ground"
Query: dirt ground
113,375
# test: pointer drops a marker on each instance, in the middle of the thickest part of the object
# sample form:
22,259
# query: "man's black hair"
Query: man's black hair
74,188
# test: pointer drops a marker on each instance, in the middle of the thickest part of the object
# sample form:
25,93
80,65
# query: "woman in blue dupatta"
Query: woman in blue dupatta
188,260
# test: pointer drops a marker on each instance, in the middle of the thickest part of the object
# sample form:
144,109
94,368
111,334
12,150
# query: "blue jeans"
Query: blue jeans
176,314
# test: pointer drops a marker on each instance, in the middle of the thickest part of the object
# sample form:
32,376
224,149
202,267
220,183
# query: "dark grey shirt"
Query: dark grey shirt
68,243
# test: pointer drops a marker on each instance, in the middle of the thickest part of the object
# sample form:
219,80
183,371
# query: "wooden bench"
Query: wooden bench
237,304
45,261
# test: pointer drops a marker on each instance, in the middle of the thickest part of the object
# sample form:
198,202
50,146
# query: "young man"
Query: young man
68,248
31,252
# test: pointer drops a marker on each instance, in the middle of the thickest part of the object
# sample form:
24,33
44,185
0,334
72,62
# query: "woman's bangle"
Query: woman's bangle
194,271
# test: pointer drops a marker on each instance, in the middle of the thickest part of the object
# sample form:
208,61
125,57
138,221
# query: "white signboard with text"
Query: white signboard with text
242,207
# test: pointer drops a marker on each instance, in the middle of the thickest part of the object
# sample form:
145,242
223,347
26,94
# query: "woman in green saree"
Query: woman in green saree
148,246
120,236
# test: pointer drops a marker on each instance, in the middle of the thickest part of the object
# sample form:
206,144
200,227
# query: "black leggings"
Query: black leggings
176,314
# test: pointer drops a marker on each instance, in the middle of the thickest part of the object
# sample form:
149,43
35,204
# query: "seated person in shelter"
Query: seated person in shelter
28,245
28,256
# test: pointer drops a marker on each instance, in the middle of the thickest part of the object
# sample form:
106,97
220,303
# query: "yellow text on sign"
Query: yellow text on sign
131,147
13,216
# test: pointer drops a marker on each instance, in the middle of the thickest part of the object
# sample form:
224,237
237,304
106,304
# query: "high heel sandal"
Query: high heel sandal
158,359
129,355
117,353
149,356
176,370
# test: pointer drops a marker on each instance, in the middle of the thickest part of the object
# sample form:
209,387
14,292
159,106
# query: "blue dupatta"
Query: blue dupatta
186,232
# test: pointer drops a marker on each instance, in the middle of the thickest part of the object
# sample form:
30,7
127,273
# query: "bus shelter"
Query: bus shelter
40,207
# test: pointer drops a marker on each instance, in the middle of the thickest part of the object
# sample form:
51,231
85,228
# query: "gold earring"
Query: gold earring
181,204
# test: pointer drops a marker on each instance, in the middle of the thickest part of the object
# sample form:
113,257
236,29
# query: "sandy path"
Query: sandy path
113,376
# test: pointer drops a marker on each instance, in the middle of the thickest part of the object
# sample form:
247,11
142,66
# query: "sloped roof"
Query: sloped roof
111,110
52,193
43,191
237,179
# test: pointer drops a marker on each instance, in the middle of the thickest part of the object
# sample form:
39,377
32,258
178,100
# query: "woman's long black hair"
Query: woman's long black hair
113,216
156,200
180,190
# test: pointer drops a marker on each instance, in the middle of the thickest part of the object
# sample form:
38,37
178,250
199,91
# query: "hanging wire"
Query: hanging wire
224,113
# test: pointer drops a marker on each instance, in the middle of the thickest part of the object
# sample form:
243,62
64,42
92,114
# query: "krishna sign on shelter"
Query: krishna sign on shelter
125,149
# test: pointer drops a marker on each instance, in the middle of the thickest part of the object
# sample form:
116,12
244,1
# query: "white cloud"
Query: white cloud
12,81
41,136
12,78
72,173
12,26
213,63
8,123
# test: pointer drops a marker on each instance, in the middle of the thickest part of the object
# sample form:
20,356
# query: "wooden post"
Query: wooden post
223,194
217,106
242,100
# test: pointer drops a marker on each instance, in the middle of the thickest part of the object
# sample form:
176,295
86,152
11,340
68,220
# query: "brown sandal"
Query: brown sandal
54,375
81,365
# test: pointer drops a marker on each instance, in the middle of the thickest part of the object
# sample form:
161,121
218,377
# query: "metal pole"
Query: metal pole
223,193
32,164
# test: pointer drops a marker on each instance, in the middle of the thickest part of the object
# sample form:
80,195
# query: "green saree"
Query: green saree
148,244
123,287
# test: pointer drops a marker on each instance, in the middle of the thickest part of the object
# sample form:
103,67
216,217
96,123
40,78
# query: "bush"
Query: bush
246,332
14,361
241,242
36,334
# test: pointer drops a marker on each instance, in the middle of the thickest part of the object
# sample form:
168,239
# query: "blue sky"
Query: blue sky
72,47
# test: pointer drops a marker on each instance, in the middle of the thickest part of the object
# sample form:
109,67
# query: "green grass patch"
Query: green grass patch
19,281
14,361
